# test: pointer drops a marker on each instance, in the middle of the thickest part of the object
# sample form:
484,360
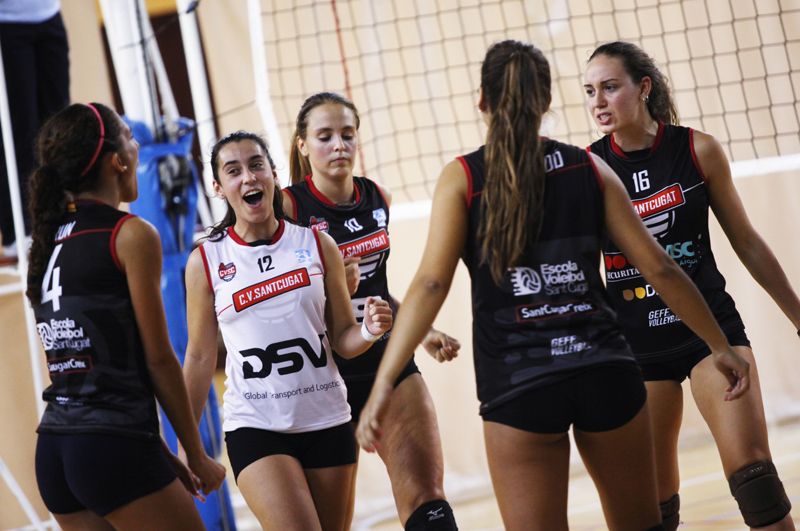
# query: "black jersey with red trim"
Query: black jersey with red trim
551,315
668,191
99,378
359,229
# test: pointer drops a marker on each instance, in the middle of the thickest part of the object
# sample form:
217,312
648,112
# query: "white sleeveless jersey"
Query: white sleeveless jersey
269,299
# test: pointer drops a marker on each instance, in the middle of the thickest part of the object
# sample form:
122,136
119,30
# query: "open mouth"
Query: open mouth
253,197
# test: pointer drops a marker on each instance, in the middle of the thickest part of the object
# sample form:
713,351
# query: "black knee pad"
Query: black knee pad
436,514
670,513
760,494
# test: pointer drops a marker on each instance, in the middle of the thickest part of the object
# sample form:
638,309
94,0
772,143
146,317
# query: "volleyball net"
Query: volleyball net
412,69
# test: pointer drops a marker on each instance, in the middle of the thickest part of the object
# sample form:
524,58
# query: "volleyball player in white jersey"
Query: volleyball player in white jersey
278,294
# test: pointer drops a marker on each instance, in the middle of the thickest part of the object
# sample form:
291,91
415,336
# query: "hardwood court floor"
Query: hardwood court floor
706,504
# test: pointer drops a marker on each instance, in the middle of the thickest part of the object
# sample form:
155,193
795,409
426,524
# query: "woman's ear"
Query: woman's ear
117,163
301,146
646,87
218,190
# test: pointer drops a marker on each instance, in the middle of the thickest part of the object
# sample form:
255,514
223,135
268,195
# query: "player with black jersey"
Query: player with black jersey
355,212
94,285
528,216
277,293
674,174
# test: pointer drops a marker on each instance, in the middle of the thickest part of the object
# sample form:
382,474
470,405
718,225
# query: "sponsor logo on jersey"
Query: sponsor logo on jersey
639,292
661,317
379,215
268,289
60,334
568,345
226,271
536,312
554,279
303,256
353,225
679,250
373,250
661,201
367,245
73,364
618,268
318,224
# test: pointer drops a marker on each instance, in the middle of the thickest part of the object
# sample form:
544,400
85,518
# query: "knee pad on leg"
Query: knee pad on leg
670,513
760,494
436,514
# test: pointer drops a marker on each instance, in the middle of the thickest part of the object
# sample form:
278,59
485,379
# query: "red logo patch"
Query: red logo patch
318,224
666,199
374,243
251,295
227,271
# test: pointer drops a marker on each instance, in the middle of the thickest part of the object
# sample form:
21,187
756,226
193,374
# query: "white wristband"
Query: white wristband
367,335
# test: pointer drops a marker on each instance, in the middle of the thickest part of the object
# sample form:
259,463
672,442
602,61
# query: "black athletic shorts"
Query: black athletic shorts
595,399
680,366
334,446
98,472
358,390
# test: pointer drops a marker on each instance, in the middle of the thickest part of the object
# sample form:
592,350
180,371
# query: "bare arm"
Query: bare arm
201,350
139,250
446,239
676,289
343,330
751,248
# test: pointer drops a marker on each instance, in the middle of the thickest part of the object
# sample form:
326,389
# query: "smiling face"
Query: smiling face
613,99
246,181
331,141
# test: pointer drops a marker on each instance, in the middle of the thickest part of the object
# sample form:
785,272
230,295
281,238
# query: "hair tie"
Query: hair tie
99,141
71,207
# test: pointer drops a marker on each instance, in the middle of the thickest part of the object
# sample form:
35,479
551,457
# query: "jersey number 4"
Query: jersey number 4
51,283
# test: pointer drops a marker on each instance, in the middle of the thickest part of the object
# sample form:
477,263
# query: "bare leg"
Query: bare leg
665,402
739,427
276,490
170,508
331,491
82,521
622,465
530,475
411,448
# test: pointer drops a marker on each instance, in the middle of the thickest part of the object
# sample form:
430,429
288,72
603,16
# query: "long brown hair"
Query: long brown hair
637,65
69,152
299,166
229,220
515,83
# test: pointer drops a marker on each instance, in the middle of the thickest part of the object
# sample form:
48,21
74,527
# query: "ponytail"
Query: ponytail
515,82
299,166
69,150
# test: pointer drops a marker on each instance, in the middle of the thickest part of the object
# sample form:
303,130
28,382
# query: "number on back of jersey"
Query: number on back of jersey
51,283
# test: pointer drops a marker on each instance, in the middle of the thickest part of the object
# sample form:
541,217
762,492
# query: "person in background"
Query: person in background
528,215
277,292
36,65
674,174
355,212
94,284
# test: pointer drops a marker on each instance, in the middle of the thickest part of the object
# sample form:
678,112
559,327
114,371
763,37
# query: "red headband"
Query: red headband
99,141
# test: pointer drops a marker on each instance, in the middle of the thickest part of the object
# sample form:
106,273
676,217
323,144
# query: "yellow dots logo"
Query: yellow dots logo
628,294
641,293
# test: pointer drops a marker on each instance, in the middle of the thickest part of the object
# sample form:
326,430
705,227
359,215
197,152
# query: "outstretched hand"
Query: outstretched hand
736,370
368,432
440,346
